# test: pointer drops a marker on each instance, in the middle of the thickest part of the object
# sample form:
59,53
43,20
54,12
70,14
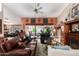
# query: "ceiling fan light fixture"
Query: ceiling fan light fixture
37,8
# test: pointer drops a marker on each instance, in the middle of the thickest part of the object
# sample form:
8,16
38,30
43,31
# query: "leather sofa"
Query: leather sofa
11,48
33,45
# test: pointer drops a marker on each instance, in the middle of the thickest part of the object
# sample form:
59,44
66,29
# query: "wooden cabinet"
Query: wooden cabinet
39,21
69,33
52,21
26,21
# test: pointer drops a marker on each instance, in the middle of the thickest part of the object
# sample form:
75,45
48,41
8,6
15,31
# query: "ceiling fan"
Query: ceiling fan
38,8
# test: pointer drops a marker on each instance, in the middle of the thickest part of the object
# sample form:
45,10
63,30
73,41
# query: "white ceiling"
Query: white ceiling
26,9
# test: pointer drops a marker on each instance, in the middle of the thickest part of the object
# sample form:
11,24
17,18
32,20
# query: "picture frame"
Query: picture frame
75,11
75,28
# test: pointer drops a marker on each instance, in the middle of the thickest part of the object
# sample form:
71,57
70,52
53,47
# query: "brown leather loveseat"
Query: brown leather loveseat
11,48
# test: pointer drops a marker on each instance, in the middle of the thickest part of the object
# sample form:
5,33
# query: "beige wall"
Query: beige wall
62,17
64,13
8,14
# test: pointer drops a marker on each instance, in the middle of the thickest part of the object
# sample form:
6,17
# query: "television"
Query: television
75,28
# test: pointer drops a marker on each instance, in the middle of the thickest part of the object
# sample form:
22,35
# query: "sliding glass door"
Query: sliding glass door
35,30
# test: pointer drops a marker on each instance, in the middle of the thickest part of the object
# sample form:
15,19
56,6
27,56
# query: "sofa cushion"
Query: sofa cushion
33,49
19,52
1,40
21,45
10,44
2,48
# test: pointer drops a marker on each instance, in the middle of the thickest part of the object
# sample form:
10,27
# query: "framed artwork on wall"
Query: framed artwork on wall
0,26
75,28
75,11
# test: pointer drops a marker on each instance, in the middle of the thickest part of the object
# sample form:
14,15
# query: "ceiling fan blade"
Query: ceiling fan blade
35,6
41,12
38,4
40,8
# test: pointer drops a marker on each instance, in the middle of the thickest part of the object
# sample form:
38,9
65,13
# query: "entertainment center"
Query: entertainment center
71,33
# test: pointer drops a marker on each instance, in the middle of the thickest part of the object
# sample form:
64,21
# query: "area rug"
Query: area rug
41,49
